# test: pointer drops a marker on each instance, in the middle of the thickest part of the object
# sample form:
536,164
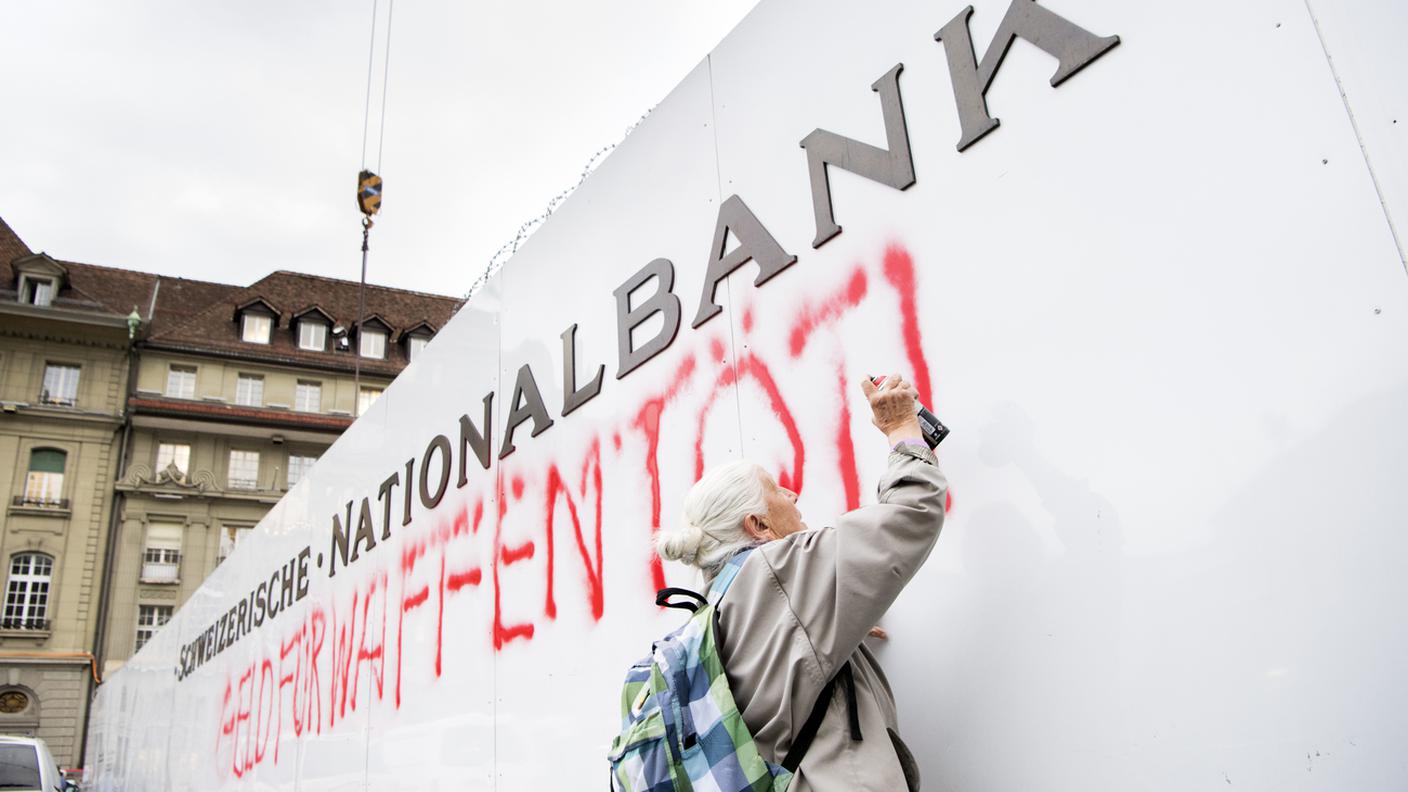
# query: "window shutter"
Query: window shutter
46,460
164,536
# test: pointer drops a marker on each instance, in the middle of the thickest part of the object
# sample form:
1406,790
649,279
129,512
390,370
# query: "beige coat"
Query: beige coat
801,606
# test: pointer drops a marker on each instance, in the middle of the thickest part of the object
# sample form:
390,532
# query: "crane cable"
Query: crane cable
368,182
367,104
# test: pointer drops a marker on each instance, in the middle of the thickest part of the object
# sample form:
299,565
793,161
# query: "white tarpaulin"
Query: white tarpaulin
1161,306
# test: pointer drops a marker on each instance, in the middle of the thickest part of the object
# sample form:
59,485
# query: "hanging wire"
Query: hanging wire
381,140
367,105
385,82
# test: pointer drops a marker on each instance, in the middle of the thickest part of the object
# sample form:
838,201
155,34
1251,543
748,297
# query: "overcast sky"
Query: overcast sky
221,140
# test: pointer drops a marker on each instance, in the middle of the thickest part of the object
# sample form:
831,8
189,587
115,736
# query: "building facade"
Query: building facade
147,423
64,362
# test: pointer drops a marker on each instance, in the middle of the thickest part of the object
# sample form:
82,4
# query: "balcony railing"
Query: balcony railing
37,625
40,503
57,399
161,572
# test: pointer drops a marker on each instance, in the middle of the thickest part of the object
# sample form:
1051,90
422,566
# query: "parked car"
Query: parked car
27,766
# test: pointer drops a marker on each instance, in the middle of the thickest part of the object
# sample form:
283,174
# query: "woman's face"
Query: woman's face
783,517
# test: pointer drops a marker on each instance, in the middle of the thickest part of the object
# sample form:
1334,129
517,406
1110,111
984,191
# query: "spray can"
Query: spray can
929,424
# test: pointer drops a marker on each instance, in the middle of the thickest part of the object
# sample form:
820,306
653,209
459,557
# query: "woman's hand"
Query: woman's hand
893,408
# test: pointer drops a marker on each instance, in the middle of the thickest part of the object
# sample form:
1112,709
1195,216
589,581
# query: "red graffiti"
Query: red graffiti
243,706
502,557
343,643
265,713
845,447
454,582
750,365
647,420
556,490
899,271
313,691
289,679
373,655
447,581
281,685
810,317
444,555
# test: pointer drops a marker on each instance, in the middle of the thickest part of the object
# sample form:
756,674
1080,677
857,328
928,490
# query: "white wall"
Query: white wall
1160,307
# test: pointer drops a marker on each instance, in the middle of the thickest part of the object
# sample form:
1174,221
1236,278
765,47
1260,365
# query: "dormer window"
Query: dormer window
312,334
416,337
36,290
372,343
257,319
255,328
39,279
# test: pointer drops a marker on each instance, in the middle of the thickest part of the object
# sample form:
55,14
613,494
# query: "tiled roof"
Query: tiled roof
161,300
236,414
200,317
11,246
215,329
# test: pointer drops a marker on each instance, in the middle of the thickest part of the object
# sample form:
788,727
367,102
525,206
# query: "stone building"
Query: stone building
146,424
64,362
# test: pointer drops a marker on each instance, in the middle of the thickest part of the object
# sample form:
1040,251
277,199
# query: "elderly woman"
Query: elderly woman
802,604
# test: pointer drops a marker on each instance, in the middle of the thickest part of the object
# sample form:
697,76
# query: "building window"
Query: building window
27,593
37,291
366,397
415,345
161,558
60,385
256,327
44,486
308,396
181,382
13,702
150,618
249,390
312,334
230,538
178,454
298,467
372,344
244,469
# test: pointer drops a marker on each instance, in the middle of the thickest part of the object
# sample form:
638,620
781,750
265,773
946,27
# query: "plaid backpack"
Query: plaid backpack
680,727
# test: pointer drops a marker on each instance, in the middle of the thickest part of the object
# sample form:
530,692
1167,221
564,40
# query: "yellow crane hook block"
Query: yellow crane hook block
368,193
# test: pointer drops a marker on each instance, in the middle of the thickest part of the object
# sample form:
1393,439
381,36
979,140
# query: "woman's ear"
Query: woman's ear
754,527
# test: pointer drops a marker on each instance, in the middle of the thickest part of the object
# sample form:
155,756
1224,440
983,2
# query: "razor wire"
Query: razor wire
526,229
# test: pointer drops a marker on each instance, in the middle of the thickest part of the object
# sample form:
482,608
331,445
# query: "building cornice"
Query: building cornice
368,367
59,314
171,493
54,413
228,413
29,334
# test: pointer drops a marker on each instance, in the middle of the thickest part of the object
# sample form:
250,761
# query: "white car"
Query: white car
27,766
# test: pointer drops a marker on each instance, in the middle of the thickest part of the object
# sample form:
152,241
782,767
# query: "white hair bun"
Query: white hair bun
681,544
711,527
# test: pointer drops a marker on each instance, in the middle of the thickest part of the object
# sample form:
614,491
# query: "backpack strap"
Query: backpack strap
846,678
844,675
716,590
662,598
725,578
